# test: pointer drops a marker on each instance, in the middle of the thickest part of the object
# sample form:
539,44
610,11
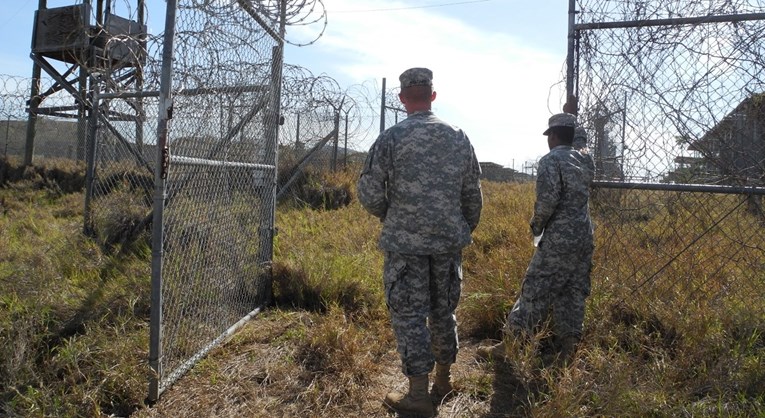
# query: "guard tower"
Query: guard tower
95,48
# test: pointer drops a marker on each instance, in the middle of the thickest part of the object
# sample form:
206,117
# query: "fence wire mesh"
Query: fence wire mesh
324,128
220,151
392,111
311,107
672,96
56,136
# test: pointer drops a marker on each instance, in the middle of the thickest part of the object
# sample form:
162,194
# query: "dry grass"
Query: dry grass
72,318
73,322
56,175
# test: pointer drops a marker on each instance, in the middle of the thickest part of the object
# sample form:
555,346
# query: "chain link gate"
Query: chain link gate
672,95
215,180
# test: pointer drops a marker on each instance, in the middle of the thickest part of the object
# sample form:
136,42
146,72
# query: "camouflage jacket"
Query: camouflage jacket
562,209
421,178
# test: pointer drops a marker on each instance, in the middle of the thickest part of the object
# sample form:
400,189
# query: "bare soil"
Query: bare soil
260,379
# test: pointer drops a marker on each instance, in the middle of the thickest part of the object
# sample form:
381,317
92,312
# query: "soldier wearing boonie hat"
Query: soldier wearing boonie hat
580,135
558,277
563,120
421,178
580,139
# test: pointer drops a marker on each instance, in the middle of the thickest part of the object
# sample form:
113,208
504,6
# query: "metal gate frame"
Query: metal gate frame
747,192
161,379
572,88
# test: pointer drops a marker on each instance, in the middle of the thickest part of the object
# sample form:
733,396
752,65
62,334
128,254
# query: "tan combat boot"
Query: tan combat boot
496,352
416,401
442,385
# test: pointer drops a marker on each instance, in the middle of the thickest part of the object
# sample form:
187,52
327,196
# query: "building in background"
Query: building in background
731,153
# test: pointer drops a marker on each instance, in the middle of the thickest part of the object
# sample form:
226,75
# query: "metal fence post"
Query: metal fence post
345,145
382,107
160,173
34,103
90,159
335,141
570,74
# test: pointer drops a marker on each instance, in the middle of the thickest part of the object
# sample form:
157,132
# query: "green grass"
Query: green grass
685,339
72,317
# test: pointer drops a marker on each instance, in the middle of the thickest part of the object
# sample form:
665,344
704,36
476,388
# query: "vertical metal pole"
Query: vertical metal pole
160,174
82,114
267,224
83,61
297,133
271,122
99,11
570,54
345,146
7,128
335,141
140,113
87,128
91,158
624,135
34,103
382,107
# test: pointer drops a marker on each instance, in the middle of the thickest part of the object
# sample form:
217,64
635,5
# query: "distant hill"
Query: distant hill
496,172
58,138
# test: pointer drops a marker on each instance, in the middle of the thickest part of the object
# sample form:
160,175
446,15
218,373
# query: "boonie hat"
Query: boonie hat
560,119
417,76
580,138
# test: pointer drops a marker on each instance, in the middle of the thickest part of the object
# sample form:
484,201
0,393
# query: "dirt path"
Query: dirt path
259,378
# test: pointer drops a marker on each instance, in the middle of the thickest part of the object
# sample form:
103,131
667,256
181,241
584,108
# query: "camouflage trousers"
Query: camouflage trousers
422,292
557,283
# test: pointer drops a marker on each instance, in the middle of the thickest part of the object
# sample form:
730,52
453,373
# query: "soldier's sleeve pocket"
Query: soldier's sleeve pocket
368,162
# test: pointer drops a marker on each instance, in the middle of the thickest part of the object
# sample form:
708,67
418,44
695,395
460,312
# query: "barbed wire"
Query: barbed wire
299,13
674,111
630,10
652,93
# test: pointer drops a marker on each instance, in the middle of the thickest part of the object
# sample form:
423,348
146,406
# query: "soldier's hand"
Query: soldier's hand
571,105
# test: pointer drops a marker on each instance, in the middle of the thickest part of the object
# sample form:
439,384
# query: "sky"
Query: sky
497,64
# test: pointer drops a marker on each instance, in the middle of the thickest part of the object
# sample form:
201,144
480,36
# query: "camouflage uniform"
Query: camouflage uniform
558,276
580,139
421,178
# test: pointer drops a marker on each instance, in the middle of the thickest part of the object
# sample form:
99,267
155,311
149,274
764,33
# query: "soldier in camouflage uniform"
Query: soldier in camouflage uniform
557,280
421,178
580,135
580,139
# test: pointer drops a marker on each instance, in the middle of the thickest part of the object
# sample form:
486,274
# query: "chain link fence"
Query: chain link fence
325,129
671,94
310,135
56,135
180,132
217,137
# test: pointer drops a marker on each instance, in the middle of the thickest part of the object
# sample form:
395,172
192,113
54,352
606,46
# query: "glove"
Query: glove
537,238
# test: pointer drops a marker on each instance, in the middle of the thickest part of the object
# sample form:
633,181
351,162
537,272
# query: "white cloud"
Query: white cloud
488,83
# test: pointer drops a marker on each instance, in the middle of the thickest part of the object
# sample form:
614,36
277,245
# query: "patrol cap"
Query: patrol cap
560,119
417,76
